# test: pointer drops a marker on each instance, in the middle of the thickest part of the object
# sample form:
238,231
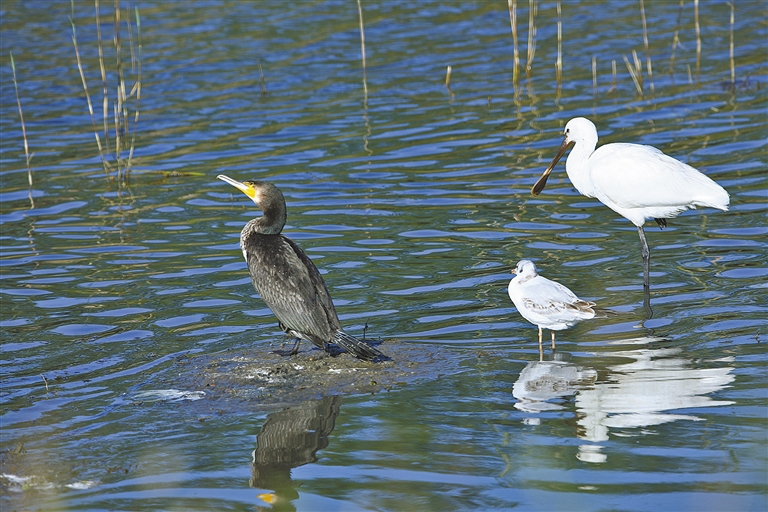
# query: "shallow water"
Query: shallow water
414,201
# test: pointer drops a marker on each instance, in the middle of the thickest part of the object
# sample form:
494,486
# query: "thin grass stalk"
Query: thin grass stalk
130,43
649,68
613,82
137,88
87,94
675,43
118,140
559,61
594,75
533,8
690,78
733,67
698,37
104,88
262,81
122,114
633,74
362,49
512,5
638,68
448,77
23,127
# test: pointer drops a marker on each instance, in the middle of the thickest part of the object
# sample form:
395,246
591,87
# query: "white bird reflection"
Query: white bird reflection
633,395
541,381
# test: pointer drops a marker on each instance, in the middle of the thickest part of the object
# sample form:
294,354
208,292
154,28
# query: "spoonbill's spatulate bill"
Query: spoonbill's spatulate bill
637,182
287,280
546,303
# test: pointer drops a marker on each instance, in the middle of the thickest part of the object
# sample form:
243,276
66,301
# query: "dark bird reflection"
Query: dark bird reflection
288,439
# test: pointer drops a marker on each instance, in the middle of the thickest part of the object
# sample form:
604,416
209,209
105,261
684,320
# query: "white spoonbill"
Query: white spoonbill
546,303
637,182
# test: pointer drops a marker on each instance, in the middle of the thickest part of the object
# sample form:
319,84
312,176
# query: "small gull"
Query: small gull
546,303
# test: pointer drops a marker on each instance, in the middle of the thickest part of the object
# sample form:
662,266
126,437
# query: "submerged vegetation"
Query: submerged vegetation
116,154
23,127
115,114
634,66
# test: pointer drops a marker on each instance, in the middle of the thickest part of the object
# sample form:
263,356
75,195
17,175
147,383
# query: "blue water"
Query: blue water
122,299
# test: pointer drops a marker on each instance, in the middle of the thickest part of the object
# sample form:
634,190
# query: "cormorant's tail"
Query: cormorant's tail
358,347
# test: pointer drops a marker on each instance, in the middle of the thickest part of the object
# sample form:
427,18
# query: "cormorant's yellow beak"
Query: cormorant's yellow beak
244,188
269,497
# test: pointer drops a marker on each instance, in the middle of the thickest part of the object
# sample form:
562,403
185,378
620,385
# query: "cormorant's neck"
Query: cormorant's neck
273,219
271,223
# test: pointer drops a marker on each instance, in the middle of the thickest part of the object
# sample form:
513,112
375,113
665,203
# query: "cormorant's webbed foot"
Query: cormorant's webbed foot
292,352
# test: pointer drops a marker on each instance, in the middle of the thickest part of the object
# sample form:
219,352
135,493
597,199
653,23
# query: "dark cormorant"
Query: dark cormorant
287,280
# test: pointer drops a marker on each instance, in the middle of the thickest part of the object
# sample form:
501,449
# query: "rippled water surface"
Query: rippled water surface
414,201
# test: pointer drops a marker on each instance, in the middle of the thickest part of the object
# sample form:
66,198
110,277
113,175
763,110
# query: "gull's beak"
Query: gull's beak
539,186
245,189
513,272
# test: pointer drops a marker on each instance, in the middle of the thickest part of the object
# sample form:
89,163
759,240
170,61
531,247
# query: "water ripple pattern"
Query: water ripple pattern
414,201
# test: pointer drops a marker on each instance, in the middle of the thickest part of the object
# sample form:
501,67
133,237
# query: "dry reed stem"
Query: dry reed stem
119,112
448,77
698,37
675,43
559,62
362,49
121,80
117,137
645,42
119,107
261,79
23,127
594,75
105,89
733,67
613,82
633,74
638,68
512,5
137,86
690,78
533,8
87,94
130,44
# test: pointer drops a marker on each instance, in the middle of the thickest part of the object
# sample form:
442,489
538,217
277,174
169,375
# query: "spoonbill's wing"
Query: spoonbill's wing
635,176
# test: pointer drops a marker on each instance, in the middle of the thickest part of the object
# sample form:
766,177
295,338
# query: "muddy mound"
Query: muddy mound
267,380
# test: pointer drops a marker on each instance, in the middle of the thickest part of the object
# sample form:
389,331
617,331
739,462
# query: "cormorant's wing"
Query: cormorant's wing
290,284
321,290
349,343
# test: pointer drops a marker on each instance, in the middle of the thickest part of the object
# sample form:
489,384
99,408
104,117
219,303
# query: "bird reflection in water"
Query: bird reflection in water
645,391
288,439
542,381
